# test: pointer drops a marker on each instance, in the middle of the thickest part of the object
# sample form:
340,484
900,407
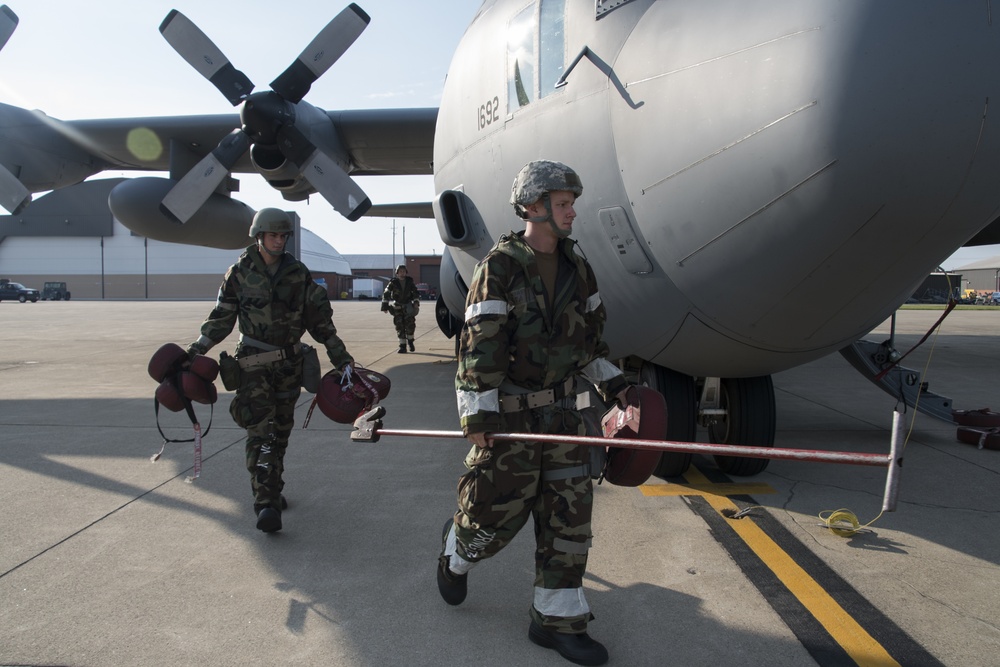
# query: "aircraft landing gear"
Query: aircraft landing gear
747,418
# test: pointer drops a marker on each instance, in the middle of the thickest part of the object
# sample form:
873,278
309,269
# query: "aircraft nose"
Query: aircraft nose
797,167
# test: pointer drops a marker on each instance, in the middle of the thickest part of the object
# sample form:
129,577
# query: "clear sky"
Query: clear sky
107,59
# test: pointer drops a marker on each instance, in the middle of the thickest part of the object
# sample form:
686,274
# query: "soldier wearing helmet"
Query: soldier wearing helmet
533,327
402,299
273,299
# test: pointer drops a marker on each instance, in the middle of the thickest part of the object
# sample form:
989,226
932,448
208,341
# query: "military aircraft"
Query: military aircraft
765,180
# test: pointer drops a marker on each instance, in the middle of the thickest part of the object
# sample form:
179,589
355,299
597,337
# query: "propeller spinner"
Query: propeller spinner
13,195
267,118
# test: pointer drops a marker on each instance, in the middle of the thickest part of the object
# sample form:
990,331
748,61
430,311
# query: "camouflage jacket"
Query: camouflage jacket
274,310
511,335
401,294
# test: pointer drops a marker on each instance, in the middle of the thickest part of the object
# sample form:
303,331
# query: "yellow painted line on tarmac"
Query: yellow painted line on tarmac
859,645
706,489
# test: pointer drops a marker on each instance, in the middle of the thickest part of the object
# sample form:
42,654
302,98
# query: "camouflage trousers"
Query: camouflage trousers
405,325
265,406
551,483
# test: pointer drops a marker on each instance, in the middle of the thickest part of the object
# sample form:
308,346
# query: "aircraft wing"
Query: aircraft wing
378,141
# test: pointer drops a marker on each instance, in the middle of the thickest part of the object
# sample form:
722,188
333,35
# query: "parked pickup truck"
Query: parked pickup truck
11,290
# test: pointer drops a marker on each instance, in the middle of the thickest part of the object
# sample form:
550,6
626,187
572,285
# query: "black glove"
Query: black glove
385,307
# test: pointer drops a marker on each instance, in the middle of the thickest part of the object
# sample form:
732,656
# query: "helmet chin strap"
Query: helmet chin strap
561,233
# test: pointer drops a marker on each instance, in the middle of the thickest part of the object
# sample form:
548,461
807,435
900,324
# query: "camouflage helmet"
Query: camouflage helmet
270,220
541,176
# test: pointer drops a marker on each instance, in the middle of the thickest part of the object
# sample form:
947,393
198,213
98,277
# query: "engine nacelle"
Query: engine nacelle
280,174
222,222
452,295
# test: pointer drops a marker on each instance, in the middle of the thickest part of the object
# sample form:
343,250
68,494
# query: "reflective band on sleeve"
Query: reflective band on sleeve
473,402
593,302
566,473
205,342
486,308
561,602
568,547
600,370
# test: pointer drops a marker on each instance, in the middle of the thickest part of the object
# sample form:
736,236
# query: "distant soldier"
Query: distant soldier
274,299
405,304
533,323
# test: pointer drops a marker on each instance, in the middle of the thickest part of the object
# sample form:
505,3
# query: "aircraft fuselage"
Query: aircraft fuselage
764,182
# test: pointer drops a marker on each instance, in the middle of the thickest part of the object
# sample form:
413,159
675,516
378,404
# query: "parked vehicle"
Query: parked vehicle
11,290
56,291
427,293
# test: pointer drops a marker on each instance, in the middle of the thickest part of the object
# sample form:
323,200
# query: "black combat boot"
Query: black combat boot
402,348
269,520
579,648
453,587
411,345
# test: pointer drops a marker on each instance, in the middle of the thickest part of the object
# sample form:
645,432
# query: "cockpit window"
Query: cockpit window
521,59
536,52
552,44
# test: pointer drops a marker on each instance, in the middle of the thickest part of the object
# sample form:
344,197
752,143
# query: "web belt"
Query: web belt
512,400
273,353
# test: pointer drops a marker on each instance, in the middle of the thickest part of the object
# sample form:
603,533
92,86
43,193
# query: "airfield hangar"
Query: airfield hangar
99,258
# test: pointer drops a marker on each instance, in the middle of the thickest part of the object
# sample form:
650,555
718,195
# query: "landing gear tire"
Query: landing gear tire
679,392
750,420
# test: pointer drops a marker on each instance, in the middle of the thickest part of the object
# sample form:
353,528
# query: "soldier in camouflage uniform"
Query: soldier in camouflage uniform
533,323
405,298
273,298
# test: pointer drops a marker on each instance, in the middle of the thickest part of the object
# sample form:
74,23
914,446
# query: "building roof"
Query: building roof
320,256
991,263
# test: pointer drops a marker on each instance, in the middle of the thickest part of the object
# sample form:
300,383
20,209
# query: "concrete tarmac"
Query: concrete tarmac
108,558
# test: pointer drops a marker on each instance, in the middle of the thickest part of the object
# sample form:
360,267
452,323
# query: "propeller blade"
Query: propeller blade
8,21
192,191
325,49
13,195
201,53
324,174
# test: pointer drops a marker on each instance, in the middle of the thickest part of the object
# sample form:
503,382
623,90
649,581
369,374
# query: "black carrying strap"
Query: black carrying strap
175,381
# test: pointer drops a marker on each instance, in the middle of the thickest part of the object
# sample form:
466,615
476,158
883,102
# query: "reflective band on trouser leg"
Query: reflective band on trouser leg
456,563
562,602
